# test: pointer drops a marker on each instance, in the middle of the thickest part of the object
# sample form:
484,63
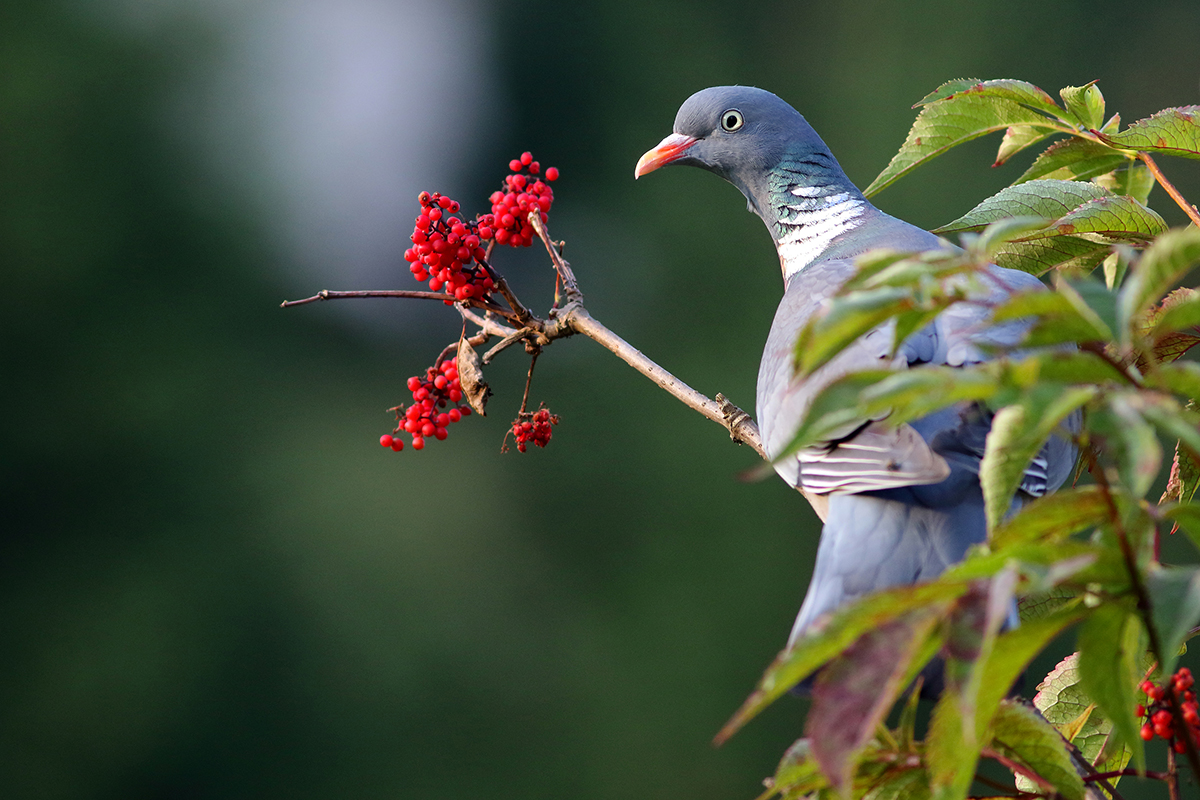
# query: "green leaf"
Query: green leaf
1017,647
1132,180
948,122
968,702
1017,434
1060,316
1060,252
829,637
852,695
1114,218
798,772
1020,733
835,410
1111,645
1048,199
1175,609
901,784
1175,131
1181,377
1003,88
1180,310
1074,159
1085,103
1126,432
847,318
1018,137
1158,271
1077,366
1061,700
1187,514
1053,517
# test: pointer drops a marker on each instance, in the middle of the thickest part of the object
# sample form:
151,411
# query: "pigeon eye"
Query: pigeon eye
732,119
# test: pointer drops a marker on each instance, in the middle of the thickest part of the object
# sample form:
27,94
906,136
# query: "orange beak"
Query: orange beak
667,151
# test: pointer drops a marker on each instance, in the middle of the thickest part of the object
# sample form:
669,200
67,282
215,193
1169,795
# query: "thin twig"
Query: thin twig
1172,775
329,294
1179,199
1128,772
505,343
565,273
486,324
1090,770
528,382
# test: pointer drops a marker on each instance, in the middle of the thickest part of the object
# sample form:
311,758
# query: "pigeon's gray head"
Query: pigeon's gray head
743,134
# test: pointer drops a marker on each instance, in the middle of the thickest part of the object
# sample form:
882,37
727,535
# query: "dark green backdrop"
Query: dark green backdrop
215,584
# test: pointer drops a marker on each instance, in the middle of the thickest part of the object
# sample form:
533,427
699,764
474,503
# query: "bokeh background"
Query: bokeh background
213,581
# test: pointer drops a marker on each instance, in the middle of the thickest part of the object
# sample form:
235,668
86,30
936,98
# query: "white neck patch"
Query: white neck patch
814,227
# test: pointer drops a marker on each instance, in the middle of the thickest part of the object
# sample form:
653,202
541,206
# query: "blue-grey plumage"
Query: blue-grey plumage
904,502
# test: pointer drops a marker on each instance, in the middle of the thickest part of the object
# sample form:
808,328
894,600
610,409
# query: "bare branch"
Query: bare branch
329,294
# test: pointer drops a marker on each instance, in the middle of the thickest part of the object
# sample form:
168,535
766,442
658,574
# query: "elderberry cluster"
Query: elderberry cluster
447,251
1159,719
426,416
522,193
535,429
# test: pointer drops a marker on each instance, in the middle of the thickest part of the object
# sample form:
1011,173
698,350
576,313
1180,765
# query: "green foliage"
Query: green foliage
1062,701
1098,363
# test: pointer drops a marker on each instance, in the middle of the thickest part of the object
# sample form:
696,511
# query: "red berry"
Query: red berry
397,444
454,415
386,440
466,412
552,173
418,443
1147,733
515,165
535,168
526,158
440,433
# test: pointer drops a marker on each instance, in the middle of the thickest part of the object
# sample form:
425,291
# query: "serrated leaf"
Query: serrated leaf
830,636
1085,103
1114,218
1178,311
1003,88
1068,253
1111,644
1053,517
855,691
1017,434
1061,700
1132,180
1159,269
948,122
1048,199
1020,733
1175,609
1074,159
1175,131
1018,137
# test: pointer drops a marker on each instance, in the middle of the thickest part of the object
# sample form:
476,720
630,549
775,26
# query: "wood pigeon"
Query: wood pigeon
904,503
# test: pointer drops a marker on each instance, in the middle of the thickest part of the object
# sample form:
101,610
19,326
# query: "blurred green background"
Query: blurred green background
213,581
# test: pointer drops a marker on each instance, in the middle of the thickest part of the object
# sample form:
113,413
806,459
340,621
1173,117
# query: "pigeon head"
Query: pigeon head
747,136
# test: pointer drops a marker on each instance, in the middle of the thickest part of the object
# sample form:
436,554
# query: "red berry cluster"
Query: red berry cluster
534,428
521,194
446,250
1159,719
426,417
